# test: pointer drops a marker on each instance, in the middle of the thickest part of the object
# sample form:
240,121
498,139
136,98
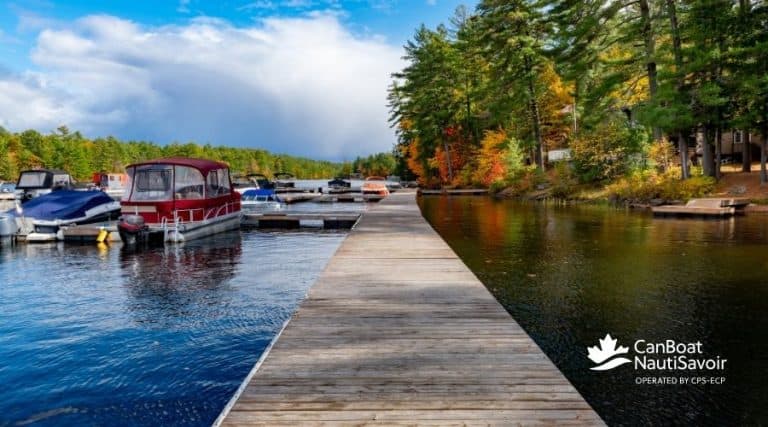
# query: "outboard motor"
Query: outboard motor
132,229
9,228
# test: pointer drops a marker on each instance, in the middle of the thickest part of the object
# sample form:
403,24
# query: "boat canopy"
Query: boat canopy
43,178
177,179
63,204
203,165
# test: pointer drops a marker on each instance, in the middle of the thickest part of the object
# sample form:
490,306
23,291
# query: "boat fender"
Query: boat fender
103,235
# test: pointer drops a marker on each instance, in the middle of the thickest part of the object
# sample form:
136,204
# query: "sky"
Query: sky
302,77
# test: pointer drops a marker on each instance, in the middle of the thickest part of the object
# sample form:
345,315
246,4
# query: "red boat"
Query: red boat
177,199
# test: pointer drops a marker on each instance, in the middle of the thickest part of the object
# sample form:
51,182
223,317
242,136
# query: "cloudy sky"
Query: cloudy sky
304,77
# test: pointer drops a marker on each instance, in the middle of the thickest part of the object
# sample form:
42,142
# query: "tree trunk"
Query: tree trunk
746,146
677,49
650,56
534,107
718,151
763,146
706,153
682,145
448,161
746,152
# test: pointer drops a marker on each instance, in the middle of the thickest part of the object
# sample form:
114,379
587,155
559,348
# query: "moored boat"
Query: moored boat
260,200
339,185
285,181
374,189
178,199
40,219
113,184
251,181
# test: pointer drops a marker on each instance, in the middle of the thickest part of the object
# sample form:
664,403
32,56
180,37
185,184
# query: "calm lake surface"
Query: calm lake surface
570,275
164,336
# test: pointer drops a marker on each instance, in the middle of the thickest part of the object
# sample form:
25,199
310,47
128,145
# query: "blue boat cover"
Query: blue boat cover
63,204
259,192
253,194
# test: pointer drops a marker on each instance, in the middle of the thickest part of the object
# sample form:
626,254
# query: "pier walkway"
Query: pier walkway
398,331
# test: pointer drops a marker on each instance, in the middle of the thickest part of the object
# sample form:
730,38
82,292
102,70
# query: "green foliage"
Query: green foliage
81,156
669,67
608,151
563,181
380,164
514,158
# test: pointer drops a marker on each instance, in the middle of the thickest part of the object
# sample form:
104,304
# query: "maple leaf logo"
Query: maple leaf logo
606,351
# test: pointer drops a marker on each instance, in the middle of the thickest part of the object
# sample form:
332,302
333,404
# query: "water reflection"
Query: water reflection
162,336
166,285
570,275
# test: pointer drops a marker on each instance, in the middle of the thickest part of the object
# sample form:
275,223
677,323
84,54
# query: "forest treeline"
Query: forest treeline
625,84
81,156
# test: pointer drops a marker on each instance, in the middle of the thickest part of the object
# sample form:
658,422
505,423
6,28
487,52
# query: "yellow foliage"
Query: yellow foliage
555,108
637,89
644,186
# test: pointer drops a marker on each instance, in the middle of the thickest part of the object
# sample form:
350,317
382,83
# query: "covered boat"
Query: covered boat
178,199
261,200
40,218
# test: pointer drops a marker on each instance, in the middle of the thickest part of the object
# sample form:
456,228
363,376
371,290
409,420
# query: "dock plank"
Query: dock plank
398,331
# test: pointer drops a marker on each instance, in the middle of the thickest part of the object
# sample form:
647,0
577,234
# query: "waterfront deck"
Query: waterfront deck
398,331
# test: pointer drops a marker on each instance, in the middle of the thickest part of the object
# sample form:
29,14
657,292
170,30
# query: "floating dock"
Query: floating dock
327,220
348,197
298,197
398,331
710,208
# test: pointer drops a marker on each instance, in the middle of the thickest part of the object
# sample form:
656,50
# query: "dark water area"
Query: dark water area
162,336
571,275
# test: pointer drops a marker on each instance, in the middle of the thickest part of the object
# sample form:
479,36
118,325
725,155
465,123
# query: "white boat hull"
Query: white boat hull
195,230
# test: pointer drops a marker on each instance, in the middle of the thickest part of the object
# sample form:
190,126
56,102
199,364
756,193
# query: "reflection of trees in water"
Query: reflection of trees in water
186,283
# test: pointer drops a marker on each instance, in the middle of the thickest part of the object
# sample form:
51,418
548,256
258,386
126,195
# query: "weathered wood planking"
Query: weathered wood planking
398,331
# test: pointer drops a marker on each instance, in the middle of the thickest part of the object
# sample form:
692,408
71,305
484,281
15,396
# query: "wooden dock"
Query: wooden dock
705,208
398,331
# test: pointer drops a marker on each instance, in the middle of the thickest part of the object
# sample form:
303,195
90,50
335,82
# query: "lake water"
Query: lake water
163,336
570,275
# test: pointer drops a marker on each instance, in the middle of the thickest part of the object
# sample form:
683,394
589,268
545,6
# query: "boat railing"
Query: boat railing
224,209
181,215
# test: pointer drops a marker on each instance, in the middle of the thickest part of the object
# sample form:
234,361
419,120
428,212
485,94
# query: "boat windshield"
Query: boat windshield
189,183
32,179
217,183
151,183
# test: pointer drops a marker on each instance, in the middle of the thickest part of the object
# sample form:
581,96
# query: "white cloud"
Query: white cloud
304,86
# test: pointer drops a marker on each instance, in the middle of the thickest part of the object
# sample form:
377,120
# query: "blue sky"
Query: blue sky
306,77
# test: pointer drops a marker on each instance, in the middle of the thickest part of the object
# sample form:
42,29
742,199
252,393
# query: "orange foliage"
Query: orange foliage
460,153
411,154
490,159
